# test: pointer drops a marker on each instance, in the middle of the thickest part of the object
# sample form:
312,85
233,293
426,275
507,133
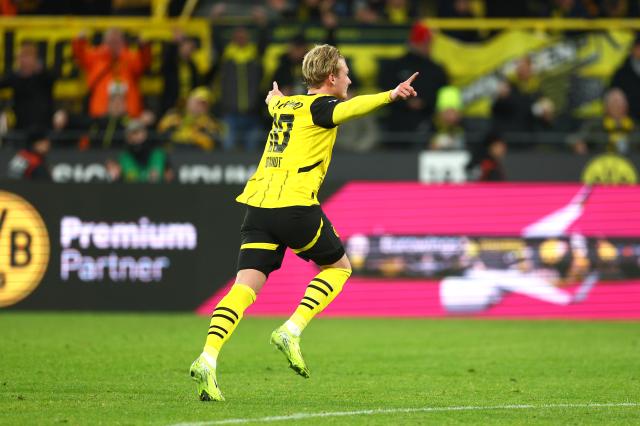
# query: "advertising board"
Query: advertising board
491,250
115,247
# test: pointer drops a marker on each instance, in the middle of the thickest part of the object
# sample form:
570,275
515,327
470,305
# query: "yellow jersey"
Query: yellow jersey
298,150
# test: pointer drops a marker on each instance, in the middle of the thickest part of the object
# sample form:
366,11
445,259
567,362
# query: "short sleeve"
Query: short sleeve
322,111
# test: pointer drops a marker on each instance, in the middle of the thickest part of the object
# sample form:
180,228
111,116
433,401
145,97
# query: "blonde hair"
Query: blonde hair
318,63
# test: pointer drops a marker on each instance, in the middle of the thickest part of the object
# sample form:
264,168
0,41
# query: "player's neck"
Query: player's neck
322,90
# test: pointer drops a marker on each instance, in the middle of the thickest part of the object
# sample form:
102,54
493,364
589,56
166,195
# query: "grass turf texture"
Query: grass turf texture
133,369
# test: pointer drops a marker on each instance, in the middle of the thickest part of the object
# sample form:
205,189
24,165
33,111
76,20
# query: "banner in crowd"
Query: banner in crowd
491,250
115,247
570,68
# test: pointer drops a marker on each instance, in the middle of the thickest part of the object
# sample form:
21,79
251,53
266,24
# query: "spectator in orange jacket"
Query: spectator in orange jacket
112,61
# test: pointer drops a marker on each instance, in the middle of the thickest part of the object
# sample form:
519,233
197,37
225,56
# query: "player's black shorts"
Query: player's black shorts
266,233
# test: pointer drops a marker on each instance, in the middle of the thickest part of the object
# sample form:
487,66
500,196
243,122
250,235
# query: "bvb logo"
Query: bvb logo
24,248
610,169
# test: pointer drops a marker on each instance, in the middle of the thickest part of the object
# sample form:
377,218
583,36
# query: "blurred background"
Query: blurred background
127,128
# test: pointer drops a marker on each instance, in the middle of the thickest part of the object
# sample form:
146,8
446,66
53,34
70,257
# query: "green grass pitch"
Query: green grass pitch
59,368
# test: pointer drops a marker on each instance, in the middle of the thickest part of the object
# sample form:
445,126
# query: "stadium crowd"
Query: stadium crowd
221,108
364,11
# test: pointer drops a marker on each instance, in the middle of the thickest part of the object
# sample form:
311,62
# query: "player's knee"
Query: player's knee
342,263
252,278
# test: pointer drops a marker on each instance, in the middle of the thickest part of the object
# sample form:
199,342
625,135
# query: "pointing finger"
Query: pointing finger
413,77
275,86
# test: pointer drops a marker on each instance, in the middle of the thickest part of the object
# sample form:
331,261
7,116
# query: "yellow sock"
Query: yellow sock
226,317
320,292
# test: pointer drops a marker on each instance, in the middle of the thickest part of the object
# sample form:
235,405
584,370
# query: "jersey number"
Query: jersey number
282,125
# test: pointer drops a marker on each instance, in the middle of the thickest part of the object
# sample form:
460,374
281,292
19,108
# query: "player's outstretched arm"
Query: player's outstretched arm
362,105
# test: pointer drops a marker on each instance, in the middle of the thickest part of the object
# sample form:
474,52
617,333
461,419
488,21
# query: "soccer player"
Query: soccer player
283,209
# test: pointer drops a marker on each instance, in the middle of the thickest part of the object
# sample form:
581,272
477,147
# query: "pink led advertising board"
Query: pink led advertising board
487,250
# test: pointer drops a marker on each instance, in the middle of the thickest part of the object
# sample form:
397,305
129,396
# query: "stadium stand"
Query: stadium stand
539,82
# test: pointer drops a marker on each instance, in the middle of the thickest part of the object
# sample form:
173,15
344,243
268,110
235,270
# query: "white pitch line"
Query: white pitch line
301,416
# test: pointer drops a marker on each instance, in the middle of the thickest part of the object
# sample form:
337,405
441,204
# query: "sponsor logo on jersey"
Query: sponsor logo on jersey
289,104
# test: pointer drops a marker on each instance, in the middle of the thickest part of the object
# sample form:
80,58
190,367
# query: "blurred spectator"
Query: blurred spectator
70,129
565,9
449,132
140,161
32,7
487,162
58,7
519,106
106,131
31,163
511,9
415,114
32,88
459,9
194,128
88,7
239,72
278,9
131,7
366,13
397,12
627,78
179,71
359,135
8,8
612,8
110,62
289,71
84,7
615,132
312,10
318,11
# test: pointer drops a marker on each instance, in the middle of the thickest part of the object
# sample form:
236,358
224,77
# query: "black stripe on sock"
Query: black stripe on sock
222,308
321,290
217,334
219,328
312,300
225,317
323,282
307,305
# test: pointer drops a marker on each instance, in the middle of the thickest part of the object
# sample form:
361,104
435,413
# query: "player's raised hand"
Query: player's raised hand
273,92
404,90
